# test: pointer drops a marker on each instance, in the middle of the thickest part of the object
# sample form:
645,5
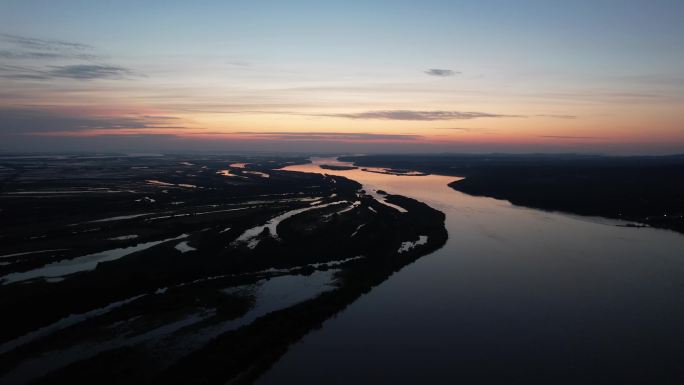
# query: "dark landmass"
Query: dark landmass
395,171
120,270
644,189
336,167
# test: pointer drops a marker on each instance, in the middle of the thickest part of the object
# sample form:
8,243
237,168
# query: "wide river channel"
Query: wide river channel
516,296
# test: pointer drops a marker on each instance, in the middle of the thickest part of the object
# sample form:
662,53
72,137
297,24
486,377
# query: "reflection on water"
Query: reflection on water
250,235
57,270
515,296
271,294
283,291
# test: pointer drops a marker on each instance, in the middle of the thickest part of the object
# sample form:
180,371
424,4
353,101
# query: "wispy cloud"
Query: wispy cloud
74,71
441,72
607,96
570,137
43,44
558,116
329,136
36,120
20,47
418,115
478,130
27,60
32,55
18,72
89,71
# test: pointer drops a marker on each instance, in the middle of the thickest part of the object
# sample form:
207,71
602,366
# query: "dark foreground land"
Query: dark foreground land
646,190
177,270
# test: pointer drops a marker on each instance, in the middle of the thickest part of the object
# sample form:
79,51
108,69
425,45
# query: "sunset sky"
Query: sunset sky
599,76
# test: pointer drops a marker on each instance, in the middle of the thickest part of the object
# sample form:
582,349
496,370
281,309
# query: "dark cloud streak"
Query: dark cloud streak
441,72
75,71
28,57
559,116
26,48
33,55
328,136
570,137
89,71
35,120
44,45
418,115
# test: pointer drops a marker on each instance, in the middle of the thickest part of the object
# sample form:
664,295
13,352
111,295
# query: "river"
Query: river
516,296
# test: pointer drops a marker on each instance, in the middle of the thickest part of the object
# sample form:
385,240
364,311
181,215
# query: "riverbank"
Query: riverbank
516,295
645,190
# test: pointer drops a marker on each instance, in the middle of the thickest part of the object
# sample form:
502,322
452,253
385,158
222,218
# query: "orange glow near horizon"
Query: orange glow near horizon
254,127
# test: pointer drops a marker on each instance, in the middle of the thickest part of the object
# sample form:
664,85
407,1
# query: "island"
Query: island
395,171
337,167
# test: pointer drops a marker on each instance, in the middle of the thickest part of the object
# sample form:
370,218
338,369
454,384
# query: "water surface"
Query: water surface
516,296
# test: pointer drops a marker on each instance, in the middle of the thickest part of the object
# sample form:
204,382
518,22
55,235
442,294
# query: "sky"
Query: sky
600,76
